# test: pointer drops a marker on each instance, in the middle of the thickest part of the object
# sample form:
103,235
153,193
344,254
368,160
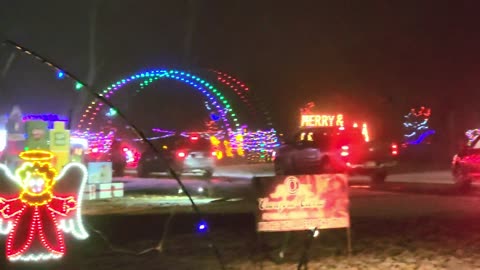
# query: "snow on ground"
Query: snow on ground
142,204
389,231
424,243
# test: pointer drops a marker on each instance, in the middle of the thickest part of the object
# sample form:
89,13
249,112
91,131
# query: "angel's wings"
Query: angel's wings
9,188
71,182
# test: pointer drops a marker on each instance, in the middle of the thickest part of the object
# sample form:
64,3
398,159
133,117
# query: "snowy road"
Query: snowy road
232,186
239,176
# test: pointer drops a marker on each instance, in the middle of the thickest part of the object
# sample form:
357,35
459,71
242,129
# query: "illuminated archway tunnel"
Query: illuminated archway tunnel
259,141
215,100
255,109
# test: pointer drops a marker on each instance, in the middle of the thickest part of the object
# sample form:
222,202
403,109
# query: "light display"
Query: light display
60,144
213,96
307,109
132,156
42,117
214,116
416,125
228,148
78,86
111,113
365,132
202,226
259,145
37,206
99,142
321,120
472,134
221,109
60,74
238,86
239,145
260,141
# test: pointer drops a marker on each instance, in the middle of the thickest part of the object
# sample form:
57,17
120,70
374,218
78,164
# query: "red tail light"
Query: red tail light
394,149
181,154
344,152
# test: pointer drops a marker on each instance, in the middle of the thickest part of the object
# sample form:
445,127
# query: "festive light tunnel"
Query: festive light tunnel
215,99
228,84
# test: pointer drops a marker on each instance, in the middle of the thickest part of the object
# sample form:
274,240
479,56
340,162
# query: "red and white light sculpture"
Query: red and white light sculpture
38,206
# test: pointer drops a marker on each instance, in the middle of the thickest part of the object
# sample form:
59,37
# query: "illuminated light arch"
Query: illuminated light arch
231,83
213,95
151,80
238,87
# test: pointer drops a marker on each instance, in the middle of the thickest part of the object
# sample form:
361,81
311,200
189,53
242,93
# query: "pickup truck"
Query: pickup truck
317,150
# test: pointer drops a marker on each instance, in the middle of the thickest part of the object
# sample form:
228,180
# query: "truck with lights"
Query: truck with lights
327,144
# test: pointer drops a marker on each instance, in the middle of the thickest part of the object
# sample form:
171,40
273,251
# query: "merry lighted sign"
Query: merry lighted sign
321,120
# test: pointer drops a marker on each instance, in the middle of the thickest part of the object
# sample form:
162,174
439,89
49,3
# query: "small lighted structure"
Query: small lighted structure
416,126
365,132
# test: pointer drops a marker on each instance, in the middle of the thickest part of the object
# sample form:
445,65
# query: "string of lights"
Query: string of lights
244,92
214,97
416,125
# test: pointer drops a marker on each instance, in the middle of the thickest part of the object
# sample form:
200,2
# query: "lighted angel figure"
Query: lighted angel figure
37,206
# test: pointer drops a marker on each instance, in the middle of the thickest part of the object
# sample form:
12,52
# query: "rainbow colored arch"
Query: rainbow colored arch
216,101
214,97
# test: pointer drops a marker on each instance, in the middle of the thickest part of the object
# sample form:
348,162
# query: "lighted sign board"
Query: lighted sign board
38,205
322,120
292,203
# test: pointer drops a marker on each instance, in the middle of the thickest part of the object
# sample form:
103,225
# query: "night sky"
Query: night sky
371,59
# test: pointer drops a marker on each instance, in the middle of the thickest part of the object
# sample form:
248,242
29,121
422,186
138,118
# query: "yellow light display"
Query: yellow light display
239,141
365,132
36,155
228,148
320,120
60,144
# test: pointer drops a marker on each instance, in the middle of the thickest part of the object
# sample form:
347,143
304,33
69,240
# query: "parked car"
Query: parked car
466,164
334,150
186,155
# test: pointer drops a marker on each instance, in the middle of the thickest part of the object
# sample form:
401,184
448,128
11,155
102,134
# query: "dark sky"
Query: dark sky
374,59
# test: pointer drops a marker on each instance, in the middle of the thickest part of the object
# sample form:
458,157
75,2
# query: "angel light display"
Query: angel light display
37,206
